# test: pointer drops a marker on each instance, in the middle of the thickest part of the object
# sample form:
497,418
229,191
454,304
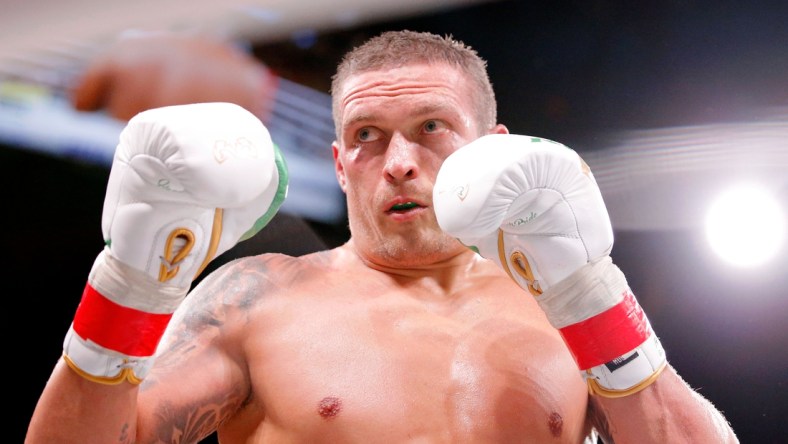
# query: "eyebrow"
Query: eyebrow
426,109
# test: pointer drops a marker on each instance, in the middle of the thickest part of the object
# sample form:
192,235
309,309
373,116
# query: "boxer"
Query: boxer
403,333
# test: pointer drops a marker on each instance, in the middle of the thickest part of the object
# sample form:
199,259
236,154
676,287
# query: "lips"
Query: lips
402,205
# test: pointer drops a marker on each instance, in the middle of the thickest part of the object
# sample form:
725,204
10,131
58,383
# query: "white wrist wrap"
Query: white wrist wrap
99,364
133,288
594,288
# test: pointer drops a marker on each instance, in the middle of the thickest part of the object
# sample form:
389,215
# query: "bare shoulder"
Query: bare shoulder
240,281
200,378
231,298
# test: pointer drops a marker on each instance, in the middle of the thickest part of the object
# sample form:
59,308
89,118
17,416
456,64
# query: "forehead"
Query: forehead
406,88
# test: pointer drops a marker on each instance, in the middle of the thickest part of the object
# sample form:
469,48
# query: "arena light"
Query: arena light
745,225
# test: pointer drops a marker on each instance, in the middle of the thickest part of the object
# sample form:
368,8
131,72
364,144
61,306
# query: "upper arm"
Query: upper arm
199,378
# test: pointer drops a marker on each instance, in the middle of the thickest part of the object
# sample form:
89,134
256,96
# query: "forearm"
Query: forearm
666,411
73,409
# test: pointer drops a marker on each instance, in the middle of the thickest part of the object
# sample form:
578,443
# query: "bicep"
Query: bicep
198,379
188,401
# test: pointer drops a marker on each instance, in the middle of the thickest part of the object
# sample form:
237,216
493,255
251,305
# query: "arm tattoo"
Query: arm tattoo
125,436
208,306
222,299
177,425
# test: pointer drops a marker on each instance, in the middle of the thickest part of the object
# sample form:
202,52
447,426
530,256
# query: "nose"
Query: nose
401,163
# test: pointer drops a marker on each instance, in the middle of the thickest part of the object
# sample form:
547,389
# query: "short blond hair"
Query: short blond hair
393,49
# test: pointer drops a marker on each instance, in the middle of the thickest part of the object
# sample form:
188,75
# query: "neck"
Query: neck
446,271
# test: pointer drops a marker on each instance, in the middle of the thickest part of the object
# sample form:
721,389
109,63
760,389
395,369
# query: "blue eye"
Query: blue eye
432,126
368,134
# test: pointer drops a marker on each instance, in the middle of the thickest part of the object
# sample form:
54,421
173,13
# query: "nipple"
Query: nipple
556,424
329,407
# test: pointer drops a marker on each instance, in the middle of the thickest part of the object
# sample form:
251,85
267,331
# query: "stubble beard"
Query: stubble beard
424,247
419,245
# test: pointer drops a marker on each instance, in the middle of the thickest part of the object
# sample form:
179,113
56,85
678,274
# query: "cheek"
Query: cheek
360,202
352,160
356,183
359,166
345,165
351,177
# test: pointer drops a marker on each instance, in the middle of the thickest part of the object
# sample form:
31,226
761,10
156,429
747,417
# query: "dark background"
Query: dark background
568,71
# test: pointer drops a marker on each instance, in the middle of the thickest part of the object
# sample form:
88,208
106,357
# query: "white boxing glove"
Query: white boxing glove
533,206
187,183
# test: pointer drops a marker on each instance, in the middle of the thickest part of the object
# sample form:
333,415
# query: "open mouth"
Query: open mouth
404,206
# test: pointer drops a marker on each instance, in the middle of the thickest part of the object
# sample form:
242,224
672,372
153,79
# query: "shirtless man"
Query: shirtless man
403,334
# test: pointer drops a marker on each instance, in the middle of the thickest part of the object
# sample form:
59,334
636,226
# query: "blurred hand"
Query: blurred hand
143,72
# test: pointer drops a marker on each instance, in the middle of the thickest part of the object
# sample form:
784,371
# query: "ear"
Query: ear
339,169
499,129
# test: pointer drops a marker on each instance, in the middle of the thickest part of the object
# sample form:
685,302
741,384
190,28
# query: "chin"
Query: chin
417,250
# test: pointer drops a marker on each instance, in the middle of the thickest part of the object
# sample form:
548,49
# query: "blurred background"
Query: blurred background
674,104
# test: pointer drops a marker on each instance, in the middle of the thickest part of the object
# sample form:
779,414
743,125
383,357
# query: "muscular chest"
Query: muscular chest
470,374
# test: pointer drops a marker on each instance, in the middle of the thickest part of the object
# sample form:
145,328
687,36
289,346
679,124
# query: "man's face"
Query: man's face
396,128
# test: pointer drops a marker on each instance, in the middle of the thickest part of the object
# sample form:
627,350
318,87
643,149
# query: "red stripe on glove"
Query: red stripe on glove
608,335
113,326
